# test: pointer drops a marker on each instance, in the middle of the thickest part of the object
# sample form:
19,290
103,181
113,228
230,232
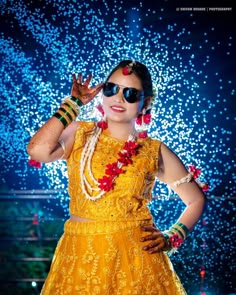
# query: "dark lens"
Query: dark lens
110,89
131,95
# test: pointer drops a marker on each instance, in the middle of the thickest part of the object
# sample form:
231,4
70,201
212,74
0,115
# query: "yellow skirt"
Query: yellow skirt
106,258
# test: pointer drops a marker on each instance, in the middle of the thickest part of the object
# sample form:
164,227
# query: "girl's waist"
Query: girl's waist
78,225
76,218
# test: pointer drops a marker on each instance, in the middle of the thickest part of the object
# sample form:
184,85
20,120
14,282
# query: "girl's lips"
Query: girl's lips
118,109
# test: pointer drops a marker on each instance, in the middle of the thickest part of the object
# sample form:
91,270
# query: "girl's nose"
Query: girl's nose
119,96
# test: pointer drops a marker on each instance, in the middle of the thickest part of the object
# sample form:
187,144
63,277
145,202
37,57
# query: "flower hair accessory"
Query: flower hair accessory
128,70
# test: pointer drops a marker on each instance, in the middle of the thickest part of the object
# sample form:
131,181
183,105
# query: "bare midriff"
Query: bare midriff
80,219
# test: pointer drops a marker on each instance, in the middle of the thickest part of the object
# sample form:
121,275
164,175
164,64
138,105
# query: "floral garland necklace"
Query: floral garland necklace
112,171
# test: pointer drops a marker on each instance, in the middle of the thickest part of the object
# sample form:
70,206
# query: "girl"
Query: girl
110,244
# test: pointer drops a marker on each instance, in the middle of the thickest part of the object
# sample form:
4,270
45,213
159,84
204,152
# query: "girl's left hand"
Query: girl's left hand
158,243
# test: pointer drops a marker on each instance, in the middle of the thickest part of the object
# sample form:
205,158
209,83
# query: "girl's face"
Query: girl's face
116,107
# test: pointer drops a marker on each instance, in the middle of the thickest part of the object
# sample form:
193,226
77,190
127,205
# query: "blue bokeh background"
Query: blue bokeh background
191,56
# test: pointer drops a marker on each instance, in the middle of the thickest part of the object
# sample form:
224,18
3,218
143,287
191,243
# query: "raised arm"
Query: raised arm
55,139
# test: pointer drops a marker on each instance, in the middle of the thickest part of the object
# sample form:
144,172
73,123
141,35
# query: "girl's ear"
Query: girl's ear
147,102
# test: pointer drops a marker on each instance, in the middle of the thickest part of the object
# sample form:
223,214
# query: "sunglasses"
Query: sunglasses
130,94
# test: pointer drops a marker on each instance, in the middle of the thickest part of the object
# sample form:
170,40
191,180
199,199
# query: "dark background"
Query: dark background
191,56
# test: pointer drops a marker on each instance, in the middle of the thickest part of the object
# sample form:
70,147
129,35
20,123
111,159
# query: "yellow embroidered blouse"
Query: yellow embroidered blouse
133,188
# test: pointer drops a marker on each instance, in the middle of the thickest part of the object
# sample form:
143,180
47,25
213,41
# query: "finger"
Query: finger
74,77
150,245
148,238
161,246
156,246
99,86
79,80
151,229
157,242
148,228
156,249
154,236
96,92
87,81
97,89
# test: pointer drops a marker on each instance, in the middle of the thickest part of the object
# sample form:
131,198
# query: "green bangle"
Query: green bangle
171,231
66,113
61,118
167,238
77,101
183,227
181,234
69,106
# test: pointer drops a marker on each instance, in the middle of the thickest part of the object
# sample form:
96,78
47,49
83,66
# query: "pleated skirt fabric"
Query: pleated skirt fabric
106,258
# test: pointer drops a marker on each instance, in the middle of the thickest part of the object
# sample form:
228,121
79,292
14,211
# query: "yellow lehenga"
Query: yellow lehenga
104,256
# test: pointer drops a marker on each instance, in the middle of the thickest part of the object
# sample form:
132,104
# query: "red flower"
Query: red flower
102,124
139,120
146,119
113,170
205,187
130,148
194,171
34,163
175,241
142,134
100,109
126,71
106,183
124,159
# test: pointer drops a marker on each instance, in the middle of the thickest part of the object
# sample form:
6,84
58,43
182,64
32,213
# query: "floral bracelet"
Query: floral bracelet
175,237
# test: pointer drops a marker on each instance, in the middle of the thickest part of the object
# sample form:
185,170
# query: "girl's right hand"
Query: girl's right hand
82,91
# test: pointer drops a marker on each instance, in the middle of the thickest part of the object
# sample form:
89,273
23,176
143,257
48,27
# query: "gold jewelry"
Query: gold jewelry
62,144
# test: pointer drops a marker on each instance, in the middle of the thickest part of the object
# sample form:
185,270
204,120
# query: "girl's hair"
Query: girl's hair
139,70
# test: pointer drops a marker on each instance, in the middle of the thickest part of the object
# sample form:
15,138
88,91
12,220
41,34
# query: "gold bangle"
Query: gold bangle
68,112
70,106
62,144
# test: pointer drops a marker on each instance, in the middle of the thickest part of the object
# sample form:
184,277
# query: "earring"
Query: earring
143,120
103,123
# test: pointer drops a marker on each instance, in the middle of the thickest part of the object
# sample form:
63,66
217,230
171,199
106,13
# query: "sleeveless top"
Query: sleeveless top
132,191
